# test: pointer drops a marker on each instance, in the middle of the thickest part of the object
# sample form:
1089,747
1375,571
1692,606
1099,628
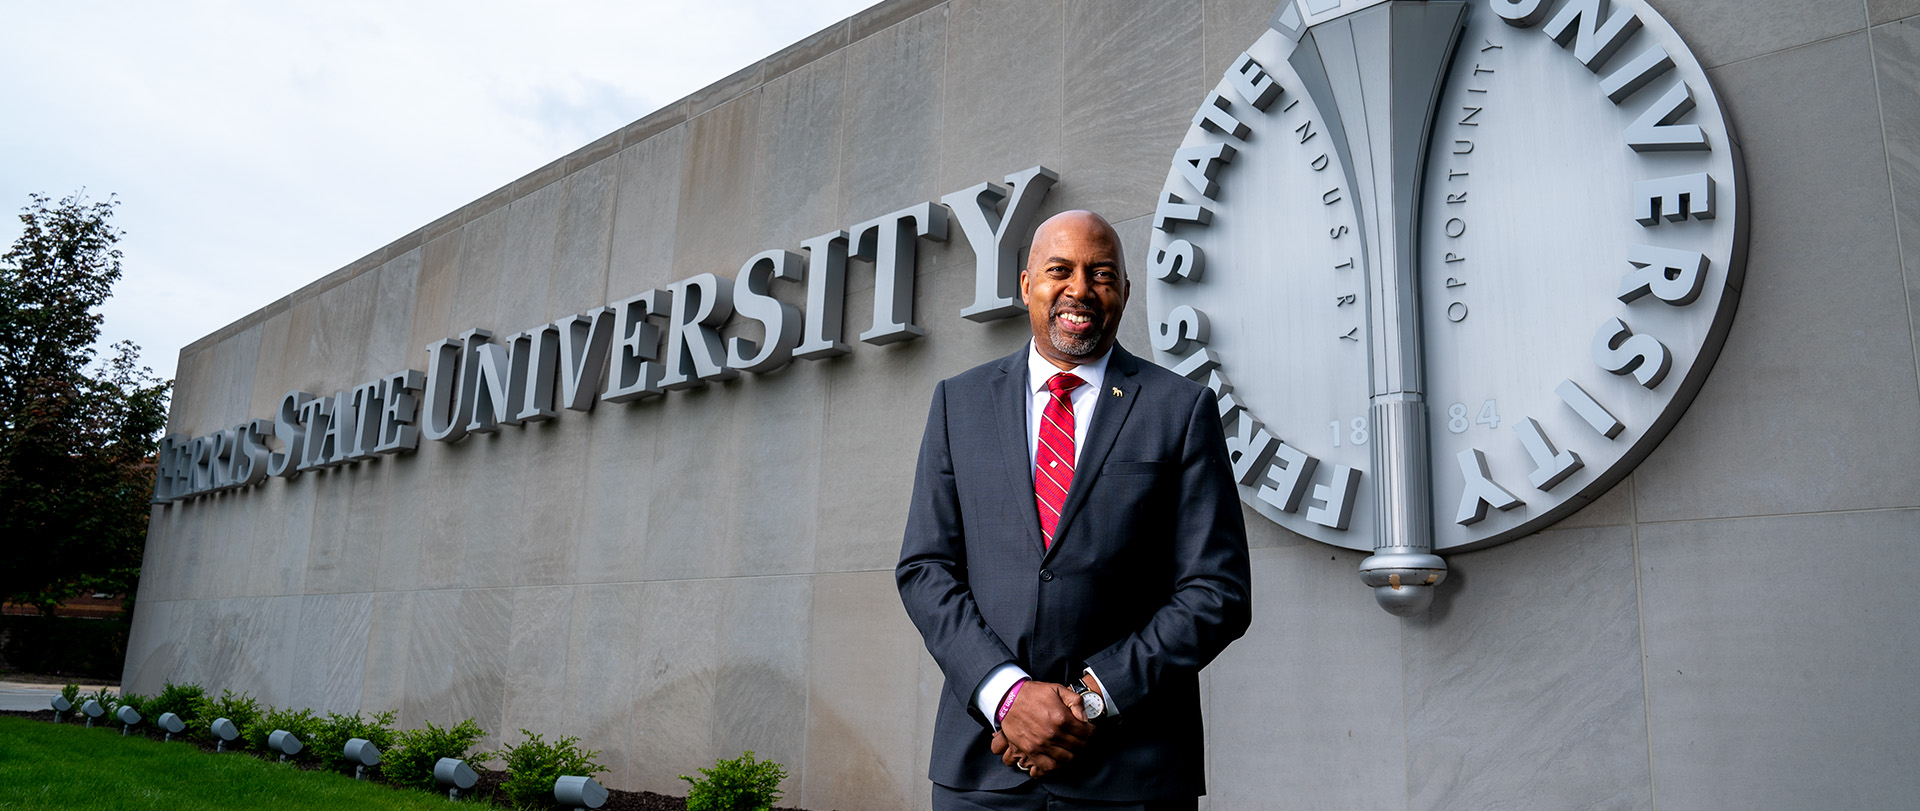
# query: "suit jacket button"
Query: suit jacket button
1046,575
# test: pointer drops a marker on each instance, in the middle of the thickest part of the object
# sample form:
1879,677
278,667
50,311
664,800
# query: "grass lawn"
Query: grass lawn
71,768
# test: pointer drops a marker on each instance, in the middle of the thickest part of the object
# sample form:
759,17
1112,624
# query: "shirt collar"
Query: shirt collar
1040,370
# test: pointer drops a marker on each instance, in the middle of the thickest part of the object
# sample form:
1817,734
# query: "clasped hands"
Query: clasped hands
1044,729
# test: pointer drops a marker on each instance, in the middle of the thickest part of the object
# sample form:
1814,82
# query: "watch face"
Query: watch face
1094,705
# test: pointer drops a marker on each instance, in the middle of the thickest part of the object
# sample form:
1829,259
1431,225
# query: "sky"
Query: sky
255,147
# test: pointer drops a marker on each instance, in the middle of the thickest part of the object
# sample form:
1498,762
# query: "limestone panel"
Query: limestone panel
243,644
434,292
456,660
270,373
192,384
671,693
328,335
330,651
493,528
890,146
156,569
1612,508
231,389
480,271
364,525
1896,50
537,646
621,462
1779,659
1880,11
775,490
1723,31
401,519
445,540
1125,112
599,703
153,645
533,225
390,345
1297,701
716,189
1135,323
1230,27
1004,79
646,214
691,515
1805,365
331,566
579,278
201,658
190,556
389,629
162,567
876,414
232,540
551,492
861,666
1524,684
282,528
797,183
760,684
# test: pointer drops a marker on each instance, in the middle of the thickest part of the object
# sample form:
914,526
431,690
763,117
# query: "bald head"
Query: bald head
1075,287
1075,224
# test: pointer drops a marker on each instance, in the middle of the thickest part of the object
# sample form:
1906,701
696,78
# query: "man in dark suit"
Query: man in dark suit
1074,555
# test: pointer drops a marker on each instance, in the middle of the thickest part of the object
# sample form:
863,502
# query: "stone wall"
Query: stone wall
694,575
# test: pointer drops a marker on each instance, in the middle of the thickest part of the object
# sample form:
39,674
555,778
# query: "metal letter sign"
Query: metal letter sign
1453,268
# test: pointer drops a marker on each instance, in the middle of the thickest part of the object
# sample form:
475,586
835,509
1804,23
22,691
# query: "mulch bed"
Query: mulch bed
487,789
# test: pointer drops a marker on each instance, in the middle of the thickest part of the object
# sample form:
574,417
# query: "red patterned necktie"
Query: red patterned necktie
1053,464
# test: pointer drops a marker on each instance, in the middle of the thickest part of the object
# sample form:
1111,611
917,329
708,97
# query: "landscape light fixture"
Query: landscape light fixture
128,717
171,723
92,710
223,729
363,754
574,791
284,742
60,705
456,775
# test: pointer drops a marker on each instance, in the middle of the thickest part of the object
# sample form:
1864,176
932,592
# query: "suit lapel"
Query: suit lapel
1108,417
1010,396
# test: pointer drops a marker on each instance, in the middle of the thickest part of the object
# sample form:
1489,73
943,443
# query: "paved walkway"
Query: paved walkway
27,696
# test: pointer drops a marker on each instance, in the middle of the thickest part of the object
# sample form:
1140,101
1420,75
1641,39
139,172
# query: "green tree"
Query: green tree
77,432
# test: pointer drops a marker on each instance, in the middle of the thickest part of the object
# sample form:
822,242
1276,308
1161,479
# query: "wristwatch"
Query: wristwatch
1090,701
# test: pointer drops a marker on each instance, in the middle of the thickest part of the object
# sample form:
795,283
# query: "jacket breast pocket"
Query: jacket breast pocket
1131,469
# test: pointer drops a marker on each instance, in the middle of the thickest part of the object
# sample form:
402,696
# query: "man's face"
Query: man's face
1075,288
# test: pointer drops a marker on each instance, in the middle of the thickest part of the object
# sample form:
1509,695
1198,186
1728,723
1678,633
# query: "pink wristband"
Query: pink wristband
1006,704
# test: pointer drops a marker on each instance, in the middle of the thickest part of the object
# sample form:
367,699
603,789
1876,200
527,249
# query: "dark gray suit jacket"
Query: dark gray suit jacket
1146,581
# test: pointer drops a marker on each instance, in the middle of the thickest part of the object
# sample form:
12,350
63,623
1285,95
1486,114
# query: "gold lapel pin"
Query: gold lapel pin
1116,391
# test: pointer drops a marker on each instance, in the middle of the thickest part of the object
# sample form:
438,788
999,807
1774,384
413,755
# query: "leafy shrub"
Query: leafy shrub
330,741
242,710
302,723
180,699
108,701
741,784
71,693
411,764
534,765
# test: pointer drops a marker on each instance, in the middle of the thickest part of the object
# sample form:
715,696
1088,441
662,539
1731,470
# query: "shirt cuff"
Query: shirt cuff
995,688
1112,709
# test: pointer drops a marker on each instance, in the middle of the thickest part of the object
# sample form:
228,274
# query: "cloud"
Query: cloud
258,146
